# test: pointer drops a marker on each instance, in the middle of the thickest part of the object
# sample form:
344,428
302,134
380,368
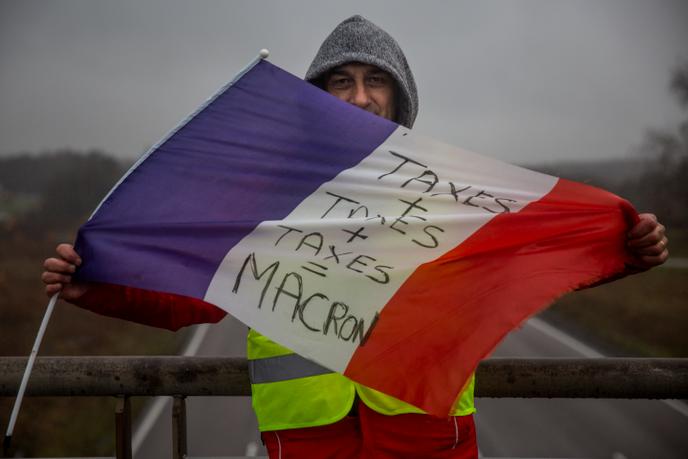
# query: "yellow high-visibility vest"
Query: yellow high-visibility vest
290,391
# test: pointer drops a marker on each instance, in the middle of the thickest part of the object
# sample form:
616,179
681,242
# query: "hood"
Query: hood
358,40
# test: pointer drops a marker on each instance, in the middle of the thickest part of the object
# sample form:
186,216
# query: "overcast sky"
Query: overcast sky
523,81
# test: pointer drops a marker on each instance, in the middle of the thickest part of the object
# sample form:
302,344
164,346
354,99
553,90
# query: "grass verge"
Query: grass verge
61,426
643,315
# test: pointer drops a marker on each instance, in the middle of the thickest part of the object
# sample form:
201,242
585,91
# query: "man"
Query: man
307,411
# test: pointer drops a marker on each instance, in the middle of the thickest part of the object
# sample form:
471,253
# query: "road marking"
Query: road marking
251,449
676,262
678,406
591,353
196,340
564,338
156,408
149,420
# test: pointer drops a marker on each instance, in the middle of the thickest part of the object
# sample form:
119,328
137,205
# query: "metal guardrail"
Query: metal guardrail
179,377
194,376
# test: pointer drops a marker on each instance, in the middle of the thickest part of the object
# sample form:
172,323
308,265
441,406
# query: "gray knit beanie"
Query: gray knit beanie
359,40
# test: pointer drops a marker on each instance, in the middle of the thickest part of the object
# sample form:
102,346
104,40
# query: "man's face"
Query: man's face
364,86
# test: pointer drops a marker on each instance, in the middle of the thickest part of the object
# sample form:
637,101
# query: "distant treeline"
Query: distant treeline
656,179
60,189
664,185
57,189
651,184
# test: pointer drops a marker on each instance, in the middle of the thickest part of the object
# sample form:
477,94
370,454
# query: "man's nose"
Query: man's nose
360,96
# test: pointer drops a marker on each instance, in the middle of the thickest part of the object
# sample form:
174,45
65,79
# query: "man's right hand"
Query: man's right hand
57,276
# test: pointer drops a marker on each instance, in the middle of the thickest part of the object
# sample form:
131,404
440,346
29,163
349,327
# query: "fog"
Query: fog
524,81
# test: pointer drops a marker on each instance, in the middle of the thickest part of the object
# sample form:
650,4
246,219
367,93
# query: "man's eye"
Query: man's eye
338,83
377,81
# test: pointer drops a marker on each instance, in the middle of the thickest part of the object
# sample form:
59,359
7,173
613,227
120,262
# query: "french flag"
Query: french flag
394,259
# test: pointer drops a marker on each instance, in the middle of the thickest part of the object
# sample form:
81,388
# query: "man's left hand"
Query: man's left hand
647,242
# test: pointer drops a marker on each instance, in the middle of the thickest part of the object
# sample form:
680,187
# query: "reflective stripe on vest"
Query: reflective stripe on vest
290,391
283,368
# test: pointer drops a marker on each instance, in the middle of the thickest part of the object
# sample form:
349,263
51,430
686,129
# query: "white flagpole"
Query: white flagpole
27,373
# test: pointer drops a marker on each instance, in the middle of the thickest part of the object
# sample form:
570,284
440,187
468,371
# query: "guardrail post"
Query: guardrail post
123,428
179,427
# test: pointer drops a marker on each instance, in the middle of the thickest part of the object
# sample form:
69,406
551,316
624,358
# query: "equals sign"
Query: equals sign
319,273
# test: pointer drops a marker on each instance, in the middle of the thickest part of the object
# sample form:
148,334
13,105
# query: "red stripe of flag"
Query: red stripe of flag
463,303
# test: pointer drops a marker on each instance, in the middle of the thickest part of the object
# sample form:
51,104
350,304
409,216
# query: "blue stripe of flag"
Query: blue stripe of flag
253,154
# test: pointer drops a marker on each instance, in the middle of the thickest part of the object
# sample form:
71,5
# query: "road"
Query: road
575,428
216,426
615,429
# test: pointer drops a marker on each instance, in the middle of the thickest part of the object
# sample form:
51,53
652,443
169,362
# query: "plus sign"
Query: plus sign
355,234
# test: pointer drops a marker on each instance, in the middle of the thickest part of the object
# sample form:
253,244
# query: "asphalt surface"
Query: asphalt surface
575,427
618,429
216,426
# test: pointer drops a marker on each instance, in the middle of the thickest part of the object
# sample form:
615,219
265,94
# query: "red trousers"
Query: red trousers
371,435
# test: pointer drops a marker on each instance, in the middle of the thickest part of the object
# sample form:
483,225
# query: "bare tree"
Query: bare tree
663,188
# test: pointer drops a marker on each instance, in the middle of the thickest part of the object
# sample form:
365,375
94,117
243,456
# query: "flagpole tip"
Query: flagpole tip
264,53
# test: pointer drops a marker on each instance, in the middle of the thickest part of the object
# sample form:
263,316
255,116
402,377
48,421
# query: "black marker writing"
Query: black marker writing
453,191
312,240
430,183
405,160
251,259
318,266
339,199
336,255
289,230
411,206
356,234
434,242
